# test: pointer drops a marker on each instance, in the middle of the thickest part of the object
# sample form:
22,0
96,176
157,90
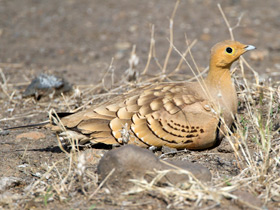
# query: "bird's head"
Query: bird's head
223,54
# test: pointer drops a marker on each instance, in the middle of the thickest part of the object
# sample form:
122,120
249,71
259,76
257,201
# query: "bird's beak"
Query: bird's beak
250,47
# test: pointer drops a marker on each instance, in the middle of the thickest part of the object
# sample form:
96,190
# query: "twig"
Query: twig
102,183
185,54
227,23
152,43
66,102
44,175
170,37
19,117
109,69
11,65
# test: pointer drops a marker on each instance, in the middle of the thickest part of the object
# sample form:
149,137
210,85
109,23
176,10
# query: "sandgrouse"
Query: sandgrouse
179,115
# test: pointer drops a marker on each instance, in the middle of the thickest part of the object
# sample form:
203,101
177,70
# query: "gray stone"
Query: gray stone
45,84
132,162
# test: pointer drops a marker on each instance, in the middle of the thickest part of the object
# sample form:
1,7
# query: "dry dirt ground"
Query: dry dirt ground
77,40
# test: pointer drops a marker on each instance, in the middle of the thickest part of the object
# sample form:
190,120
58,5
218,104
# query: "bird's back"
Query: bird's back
175,115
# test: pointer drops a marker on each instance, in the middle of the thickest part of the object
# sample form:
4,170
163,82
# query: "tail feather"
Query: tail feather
28,126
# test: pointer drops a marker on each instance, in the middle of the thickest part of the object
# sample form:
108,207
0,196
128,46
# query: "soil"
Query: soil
77,40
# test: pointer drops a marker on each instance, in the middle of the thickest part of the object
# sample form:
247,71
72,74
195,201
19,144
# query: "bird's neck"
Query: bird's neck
222,89
219,78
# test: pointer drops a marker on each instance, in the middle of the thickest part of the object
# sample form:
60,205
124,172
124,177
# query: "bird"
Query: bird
181,115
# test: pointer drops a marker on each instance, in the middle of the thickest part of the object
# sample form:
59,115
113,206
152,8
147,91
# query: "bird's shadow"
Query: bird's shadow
52,149
57,149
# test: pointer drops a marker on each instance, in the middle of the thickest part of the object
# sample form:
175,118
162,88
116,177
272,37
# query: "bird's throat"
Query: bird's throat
219,78
222,89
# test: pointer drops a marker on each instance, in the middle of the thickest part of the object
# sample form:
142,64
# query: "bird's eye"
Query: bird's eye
229,50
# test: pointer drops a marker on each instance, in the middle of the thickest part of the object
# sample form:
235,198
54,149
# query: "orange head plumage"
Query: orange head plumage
223,54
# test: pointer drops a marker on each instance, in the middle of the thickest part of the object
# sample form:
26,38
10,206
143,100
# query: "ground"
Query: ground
89,44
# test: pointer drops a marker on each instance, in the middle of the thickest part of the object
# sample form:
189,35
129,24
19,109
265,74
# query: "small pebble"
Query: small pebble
4,132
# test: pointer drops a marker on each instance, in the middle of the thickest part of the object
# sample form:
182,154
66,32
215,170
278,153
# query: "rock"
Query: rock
33,135
225,146
247,198
45,84
132,162
166,150
4,132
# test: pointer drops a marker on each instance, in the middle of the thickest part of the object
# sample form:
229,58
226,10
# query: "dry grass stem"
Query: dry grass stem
170,37
102,183
152,44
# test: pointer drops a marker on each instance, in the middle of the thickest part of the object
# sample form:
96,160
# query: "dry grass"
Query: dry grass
256,142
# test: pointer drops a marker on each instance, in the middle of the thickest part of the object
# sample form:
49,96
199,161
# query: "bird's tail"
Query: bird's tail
28,126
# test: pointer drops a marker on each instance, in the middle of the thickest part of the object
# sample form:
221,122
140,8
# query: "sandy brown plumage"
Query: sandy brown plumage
179,115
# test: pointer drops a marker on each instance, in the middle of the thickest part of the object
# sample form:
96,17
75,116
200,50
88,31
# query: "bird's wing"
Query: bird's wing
173,115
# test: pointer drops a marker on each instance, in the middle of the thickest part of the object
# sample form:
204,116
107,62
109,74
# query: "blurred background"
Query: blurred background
78,39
